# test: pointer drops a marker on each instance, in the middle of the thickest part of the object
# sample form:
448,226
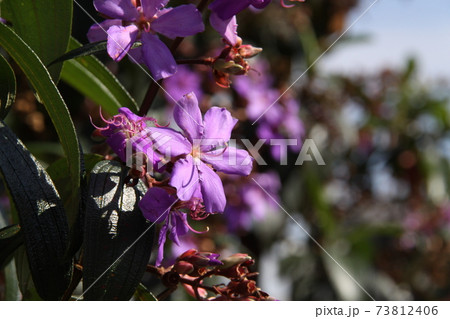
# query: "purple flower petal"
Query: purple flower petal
118,143
157,57
135,55
230,160
218,124
188,117
130,115
98,32
117,9
212,190
156,204
178,226
169,142
185,178
225,9
150,7
120,40
260,3
182,21
161,242
226,28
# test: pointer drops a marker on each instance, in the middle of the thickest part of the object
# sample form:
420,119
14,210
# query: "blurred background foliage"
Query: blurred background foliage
380,206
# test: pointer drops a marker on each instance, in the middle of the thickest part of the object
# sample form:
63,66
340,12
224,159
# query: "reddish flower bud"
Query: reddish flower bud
183,267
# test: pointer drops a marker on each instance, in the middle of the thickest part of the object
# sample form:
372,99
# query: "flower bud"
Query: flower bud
247,51
183,267
227,66
234,260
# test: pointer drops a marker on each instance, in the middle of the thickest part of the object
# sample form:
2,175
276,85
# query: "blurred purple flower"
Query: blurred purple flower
183,81
127,23
249,202
205,143
225,9
281,121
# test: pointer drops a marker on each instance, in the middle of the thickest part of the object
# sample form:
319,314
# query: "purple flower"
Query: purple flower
204,145
184,81
127,23
250,203
129,130
281,121
227,28
225,9
157,206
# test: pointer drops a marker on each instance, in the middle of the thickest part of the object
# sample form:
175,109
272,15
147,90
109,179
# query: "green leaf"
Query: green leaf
118,239
49,94
143,294
41,214
7,87
92,79
10,239
87,49
12,292
45,25
84,50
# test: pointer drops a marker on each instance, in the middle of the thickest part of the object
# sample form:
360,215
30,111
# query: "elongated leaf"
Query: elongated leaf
24,277
7,87
74,199
92,79
41,214
10,239
12,292
58,174
142,294
84,50
49,94
118,240
45,25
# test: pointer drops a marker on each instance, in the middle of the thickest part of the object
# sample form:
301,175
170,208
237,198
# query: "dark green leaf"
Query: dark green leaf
12,292
92,79
10,239
41,81
7,87
45,25
41,213
118,239
142,294
85,50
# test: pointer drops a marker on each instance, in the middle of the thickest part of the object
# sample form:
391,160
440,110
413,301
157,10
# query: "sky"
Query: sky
396,30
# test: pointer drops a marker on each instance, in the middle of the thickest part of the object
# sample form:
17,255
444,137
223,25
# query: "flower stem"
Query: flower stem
154,86
205,61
